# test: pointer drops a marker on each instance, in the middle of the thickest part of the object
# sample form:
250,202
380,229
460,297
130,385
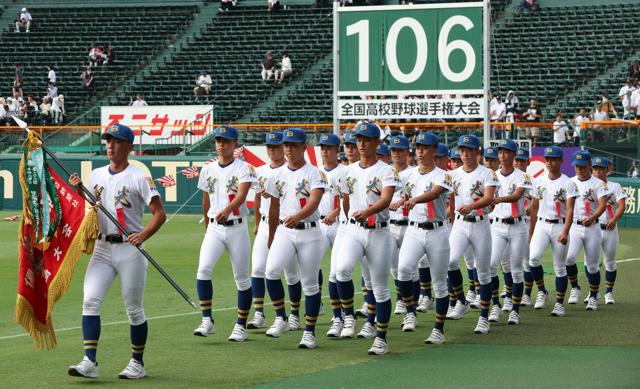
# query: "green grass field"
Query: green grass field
584,349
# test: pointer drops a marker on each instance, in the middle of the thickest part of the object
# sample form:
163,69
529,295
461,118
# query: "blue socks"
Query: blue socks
425,281
538,276
295,295
516,298
205,294
456,283
258,291
441,312
138,340
383,314
336,306
90,335
485,299
561,288
346,292
244,306
311,307
276,292
610,277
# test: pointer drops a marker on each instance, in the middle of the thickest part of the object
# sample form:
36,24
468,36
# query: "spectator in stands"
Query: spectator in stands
139,102
45,111
227,5
3,111
96,56
635,102
531,5
57,109
268,65
634,72
633,170
625,97
274,5
497,114
285,68
532,115
560,130
18,81
511,104
110,54
52,74
203,84
88,80
576,122
52,90
24,21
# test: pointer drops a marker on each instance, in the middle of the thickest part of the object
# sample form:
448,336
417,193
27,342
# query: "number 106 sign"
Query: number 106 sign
410,49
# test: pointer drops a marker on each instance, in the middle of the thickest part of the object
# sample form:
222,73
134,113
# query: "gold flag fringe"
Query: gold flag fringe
83,242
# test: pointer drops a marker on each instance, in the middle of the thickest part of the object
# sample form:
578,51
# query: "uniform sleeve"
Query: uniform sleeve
202,179
318,180
248,174
92,183
524,181
271,186
618,193
390,178
491,179
603,189
572,190
445,181
534,190
147,189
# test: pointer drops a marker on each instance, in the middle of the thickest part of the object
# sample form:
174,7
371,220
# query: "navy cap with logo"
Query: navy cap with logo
399,142
442,151
508,144
349,137
470,141
383,149
273,138
294,135
329,140
226,132
454,153
600,162
368,130
491,152
581,158
427,139
522,154
118,131
553,152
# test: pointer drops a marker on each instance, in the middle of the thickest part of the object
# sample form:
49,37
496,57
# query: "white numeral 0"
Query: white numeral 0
445,49
421,50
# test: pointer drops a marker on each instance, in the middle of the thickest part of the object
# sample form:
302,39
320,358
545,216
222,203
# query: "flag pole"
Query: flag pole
113,219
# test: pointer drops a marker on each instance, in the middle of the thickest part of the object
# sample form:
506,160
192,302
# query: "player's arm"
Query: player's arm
602,206
435,192
568,220
611,224
274,218
512,198
383,203
451,209
331,217
257,217
75,181
206,204
533,213
346,204
241,197
158,217
307,210
487,198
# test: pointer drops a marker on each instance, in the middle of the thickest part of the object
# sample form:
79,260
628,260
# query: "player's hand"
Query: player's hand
465,209
396,205
74,180
263,193
410,203
563,238
255,229
136,238
361,216
611,225
330,219
291,221
527,211
222,216
587,221
496,201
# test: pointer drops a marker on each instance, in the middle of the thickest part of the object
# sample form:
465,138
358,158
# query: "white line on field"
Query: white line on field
628,260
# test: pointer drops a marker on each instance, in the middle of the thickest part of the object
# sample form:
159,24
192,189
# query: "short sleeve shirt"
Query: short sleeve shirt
222,184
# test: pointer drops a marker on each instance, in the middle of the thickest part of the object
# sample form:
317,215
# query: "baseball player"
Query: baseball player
554,196
426,235
275,152
474,187
294,232
585,231
368,188
491,160
124,190
384,153
508,230
616,203
225,185
398,215
521,163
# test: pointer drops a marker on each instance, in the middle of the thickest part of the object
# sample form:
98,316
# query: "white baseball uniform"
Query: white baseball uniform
468,188
399,218
552,196
610,239
261,241
508,229
588,237
222,184
427,233
124,195
330,201
293,188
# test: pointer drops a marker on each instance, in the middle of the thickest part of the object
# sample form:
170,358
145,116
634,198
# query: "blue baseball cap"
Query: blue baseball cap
118,131
383,149
349,137
226,132
442,151
294,135
399,142
553,152
522,154
427,139
368,130
581,158
470,141
508,144
600,162
491,152
273,138
329,139
454,153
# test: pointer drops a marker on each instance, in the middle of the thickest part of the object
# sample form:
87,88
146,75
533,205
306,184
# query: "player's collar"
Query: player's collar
227,164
